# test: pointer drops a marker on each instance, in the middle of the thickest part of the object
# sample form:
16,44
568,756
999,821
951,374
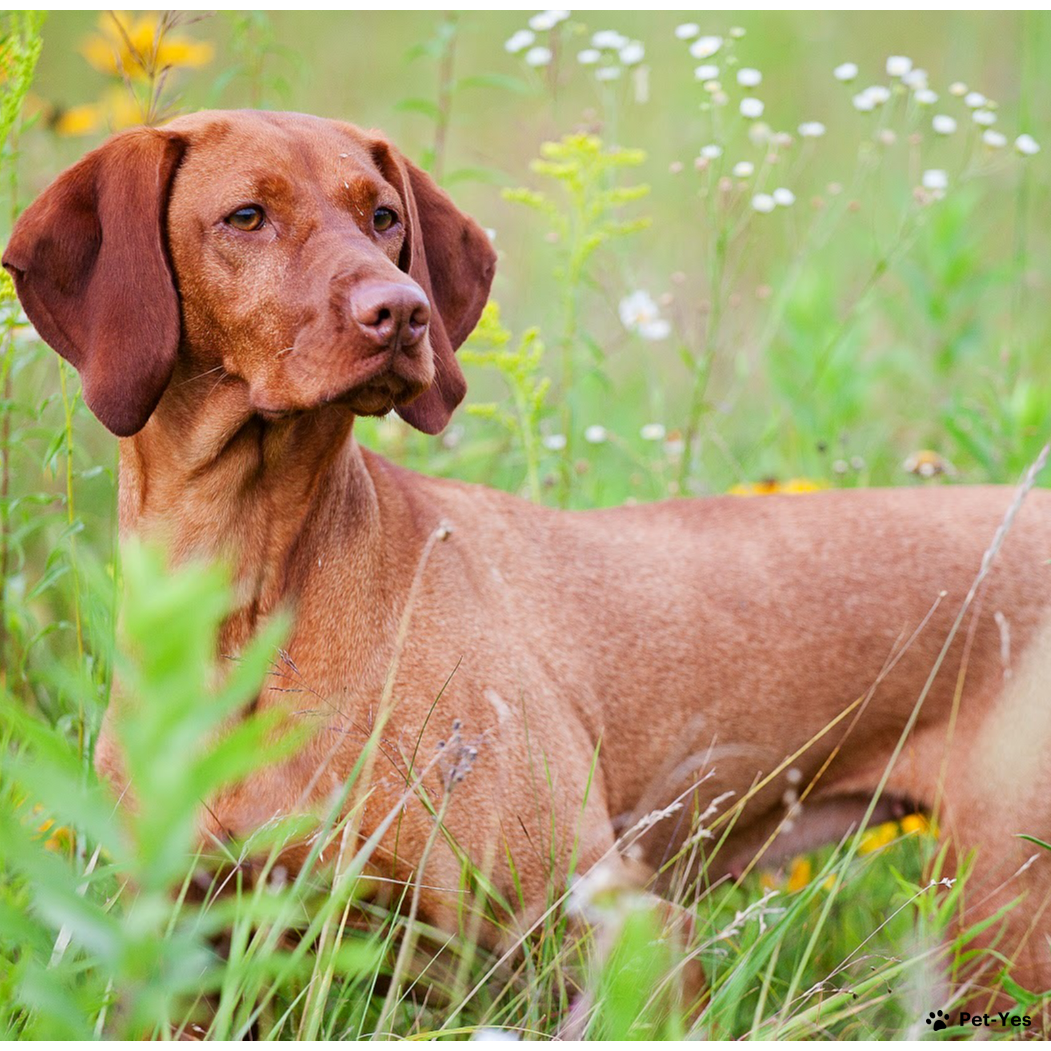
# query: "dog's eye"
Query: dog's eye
383,219
249,218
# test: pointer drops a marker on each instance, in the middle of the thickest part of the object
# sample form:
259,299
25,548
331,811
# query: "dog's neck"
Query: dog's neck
224,484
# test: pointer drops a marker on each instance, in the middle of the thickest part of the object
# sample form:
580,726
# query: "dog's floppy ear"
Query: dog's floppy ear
449,256
90,263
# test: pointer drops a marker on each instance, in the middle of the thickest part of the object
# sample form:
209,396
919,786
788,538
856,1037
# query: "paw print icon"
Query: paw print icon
937,1020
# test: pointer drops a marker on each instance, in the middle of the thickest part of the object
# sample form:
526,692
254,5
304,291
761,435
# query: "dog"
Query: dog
234,288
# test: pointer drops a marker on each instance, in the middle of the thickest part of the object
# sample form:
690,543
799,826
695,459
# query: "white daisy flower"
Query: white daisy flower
743,169
915,79
596,434
751,108
639,313
711,151
958,88
783,197
812,129
1027,145
707,72
653,432
538,56
589,56
878,93
985,117
737,32
554,442
543,21
519,41
687,31
706,46
974,99
749,78
863,102
763,202
846,72
607,73
609,39
925,97
898,65
996,139
935,179
632,54
943,124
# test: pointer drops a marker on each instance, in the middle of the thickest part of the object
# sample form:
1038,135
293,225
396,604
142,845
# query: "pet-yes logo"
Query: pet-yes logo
939,1020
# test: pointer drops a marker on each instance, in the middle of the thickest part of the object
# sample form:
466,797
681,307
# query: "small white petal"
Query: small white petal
751,108
519,41
878,93
935,179
915,79
687,31
653,432
607,73
589,56
974,99
783,197
596,434
542,22
985,117
632,54
996,139
743,169
609,39
538,56
898,65
958,88
763,202
707,72
846,72
863,102
812,129
943,124
1027,145
656,329
712,151
736,32
749,78
706,46
555,442
926,97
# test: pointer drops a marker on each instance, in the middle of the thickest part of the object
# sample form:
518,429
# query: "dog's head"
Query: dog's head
302,258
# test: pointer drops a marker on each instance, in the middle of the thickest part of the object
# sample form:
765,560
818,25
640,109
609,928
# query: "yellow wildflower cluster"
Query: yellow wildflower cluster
771,485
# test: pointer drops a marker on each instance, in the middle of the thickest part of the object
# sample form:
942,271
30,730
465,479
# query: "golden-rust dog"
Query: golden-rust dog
235,287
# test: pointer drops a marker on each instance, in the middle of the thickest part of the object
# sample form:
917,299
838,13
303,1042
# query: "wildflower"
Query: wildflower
706,46
916,824
737,32
652,432
596,434
926,97
997,140
538,56
639,313
985,117
783,197
898,66
944,124
846,72
675,445
876,838
927,463
799,875
935,179
1027,145
768,487
751,108
763,202
491,1034
878,93
974,99
712,151
915,79
886,137
589,56
863,103
519,41
811,129
115,110
632,54
687,31
706,72
123,48
609,39
555,442
607,73
542,22
743,169
749,78
958,88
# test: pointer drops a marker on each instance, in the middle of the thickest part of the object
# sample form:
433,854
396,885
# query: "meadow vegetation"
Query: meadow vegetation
748,254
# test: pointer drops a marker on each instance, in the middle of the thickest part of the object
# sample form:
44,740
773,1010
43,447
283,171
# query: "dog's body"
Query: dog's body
581,668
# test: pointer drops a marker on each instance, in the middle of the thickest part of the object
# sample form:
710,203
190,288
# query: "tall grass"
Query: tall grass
780,305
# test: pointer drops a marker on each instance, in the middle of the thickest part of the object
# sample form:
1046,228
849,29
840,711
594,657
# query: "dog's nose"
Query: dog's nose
391,314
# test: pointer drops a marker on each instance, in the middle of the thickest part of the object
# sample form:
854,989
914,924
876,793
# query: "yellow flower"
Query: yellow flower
80,120
772,485
124,47
918,823
799,875
876,838
117,109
